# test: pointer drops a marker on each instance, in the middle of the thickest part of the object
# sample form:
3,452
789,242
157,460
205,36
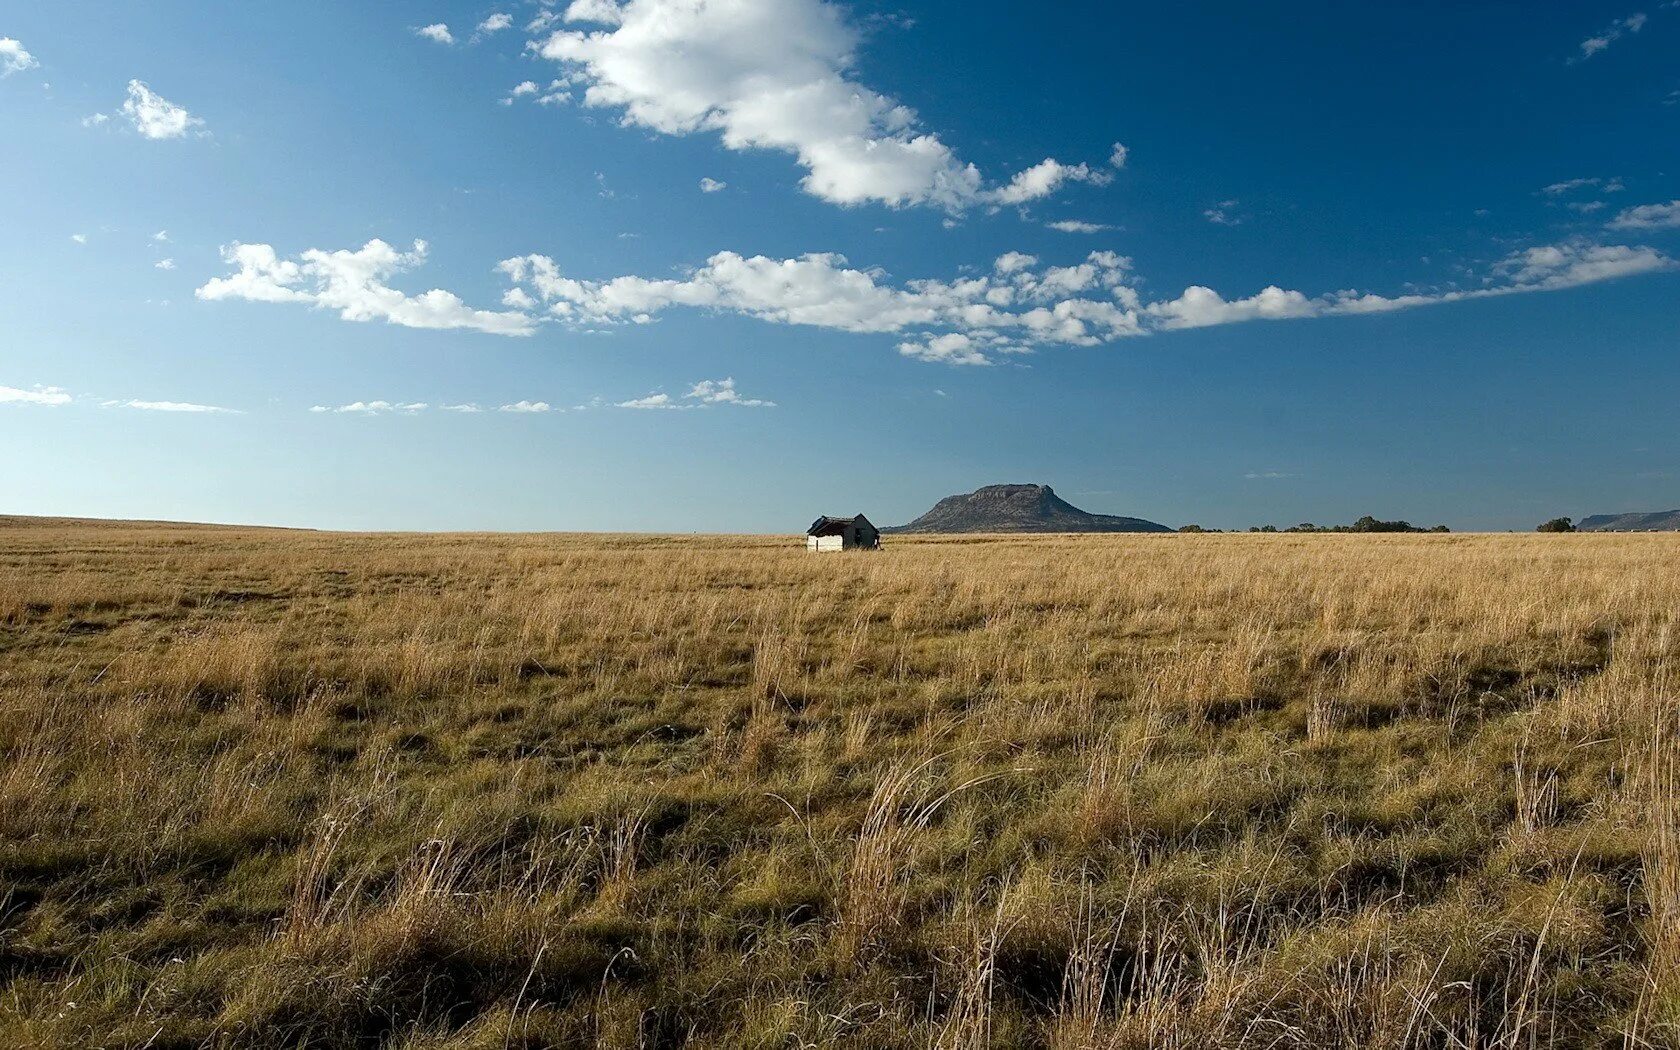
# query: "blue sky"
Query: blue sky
718,266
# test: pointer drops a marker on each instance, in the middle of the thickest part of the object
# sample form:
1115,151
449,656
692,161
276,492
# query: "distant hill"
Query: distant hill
1018,508
1643,521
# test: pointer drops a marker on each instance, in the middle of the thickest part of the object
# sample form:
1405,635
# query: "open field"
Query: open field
268,789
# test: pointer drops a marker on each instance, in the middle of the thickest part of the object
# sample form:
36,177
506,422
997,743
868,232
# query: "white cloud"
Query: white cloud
374,408
775,75
46,396
495,23
709,185
13,57
1200,306
651,401
1043,179
722,392
527,406
172,406
165,264
1119,155
1592,45
79,238
1019,306
467,408
52,397
1222,214
437,32
1558,189
354,284
1075,226
93,120
154,116
161,236
1648,217
604,12
952,348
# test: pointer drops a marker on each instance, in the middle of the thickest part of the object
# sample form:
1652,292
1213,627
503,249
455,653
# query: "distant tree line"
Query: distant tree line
1365,524
1558,525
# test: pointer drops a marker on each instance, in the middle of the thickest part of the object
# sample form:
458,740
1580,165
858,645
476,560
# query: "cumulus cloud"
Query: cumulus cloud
495,23
1019,306
1043,179
164,264
44,396
438,32
1592,45
354,283
527,406
709,185
154,116
775,75
1648,217
79,238
1118,156
14,58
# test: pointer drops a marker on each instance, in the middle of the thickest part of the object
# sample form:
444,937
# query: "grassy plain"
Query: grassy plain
266,789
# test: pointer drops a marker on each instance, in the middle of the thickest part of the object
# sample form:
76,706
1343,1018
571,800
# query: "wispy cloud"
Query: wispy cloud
55,396
528,406
1558,189
707,393
373,408
1648,217
709,185
1611,33
650,401
44,396
722,392
1223,214
1076,226
171,406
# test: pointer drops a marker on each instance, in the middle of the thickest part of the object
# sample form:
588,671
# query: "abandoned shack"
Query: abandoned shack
842,534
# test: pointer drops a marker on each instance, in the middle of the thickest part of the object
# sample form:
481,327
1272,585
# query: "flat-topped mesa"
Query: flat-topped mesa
1637,521
1019,508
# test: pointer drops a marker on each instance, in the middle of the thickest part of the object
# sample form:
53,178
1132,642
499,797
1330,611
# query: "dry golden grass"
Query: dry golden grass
263,788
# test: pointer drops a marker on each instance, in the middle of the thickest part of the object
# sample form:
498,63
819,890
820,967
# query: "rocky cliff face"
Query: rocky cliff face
1019,508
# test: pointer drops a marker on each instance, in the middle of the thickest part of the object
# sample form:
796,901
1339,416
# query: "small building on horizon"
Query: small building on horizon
842,534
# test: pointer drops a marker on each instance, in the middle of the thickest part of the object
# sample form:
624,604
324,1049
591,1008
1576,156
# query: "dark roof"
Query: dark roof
831,526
